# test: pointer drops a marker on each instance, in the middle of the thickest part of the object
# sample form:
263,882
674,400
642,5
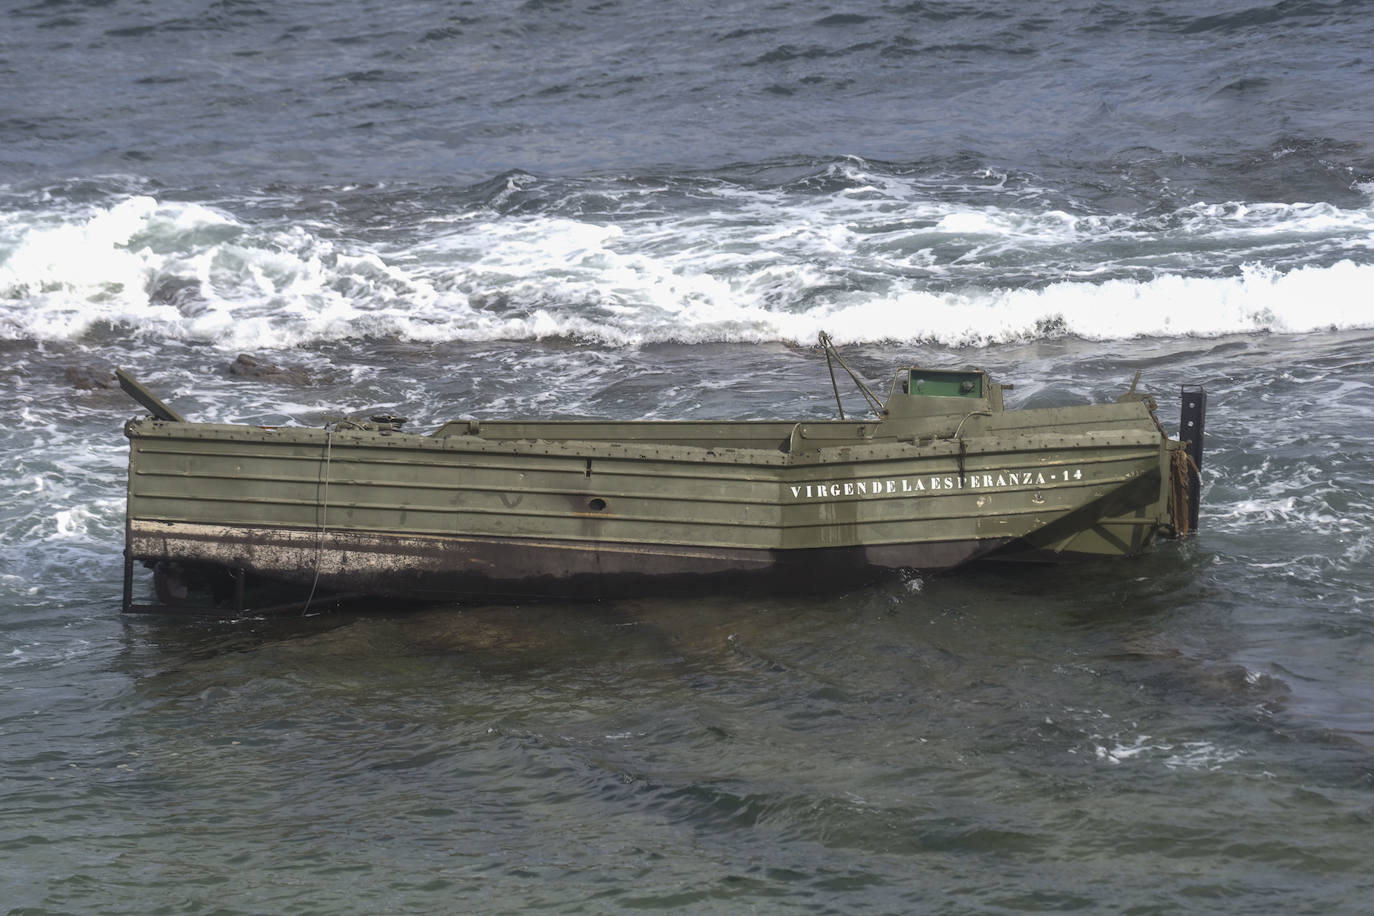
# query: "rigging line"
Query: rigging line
831,366
872,398
322,515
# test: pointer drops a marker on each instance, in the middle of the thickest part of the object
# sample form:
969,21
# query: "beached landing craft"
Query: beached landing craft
510,510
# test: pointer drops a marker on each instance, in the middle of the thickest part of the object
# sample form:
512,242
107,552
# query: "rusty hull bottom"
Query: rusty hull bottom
444,569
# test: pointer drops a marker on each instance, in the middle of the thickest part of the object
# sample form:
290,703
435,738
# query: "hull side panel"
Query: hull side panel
459,516
905,495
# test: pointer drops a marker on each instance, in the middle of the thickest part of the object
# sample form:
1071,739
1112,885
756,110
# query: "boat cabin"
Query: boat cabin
921,392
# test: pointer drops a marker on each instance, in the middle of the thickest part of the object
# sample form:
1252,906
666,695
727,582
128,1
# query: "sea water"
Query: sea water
633,210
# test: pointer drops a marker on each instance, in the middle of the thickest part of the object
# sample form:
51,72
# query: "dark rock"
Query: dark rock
250,367
180,292
88,378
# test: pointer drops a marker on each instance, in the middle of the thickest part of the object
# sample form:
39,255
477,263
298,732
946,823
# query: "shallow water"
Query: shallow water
562,209
1184,729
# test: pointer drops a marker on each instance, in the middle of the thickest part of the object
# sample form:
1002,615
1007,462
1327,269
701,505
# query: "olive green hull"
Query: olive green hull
591,509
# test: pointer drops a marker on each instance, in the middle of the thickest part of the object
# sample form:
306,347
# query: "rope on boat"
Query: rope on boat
1159,426
1180,483
322,515
1180,464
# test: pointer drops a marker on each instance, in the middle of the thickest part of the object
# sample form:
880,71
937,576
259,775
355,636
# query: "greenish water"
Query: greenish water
1113,739
555,209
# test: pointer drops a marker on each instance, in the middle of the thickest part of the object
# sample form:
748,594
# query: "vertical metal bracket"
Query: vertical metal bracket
1192,425
128,583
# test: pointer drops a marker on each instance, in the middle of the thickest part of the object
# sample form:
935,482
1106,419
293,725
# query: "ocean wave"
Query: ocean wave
871,260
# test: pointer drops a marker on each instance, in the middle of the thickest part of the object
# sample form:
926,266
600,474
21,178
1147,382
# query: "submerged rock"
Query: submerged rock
246,366
89,378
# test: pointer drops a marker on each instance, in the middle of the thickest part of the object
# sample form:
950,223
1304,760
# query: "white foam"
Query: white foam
884,264
1182,755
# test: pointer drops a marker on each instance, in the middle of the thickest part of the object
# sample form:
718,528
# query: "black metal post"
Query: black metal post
128,582
1192,424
